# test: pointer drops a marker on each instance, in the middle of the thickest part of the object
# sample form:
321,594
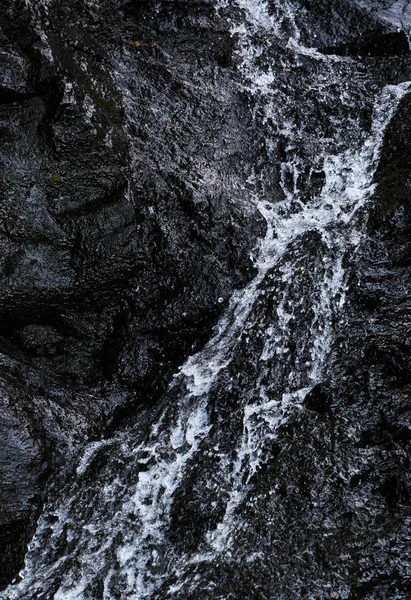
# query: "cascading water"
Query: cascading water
110,536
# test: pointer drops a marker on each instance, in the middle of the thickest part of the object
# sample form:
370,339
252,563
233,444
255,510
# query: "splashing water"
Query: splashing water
113,535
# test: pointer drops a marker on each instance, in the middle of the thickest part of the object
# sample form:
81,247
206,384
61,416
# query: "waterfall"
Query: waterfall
108,537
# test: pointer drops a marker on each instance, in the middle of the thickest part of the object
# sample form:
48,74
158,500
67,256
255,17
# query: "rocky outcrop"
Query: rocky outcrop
126,225
119,244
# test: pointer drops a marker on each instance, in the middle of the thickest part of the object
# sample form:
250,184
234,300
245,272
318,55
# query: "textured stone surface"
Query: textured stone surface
124,224
125,227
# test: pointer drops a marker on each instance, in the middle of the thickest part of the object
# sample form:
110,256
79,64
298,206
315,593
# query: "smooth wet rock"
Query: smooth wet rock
318,399
377,44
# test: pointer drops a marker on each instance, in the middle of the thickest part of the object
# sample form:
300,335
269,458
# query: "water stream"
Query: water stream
108,537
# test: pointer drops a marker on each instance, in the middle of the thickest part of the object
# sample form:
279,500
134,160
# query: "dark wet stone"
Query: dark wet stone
318,399
117,248
373,44
116,245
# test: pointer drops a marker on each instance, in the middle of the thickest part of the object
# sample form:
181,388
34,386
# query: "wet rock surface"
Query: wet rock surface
388,44
127,147
124,221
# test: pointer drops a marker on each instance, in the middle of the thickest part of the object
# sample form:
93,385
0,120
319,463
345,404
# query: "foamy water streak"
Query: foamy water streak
349,184
131,511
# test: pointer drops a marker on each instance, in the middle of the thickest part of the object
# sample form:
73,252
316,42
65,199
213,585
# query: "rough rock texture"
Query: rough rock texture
124,224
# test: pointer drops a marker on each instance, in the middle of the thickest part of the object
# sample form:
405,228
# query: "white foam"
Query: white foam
161,462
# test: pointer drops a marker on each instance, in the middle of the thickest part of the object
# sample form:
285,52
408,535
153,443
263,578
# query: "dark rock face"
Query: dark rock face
380,44
124,223
276,464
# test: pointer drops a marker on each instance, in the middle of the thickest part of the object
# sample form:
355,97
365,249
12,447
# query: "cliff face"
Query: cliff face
125,222
142,143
